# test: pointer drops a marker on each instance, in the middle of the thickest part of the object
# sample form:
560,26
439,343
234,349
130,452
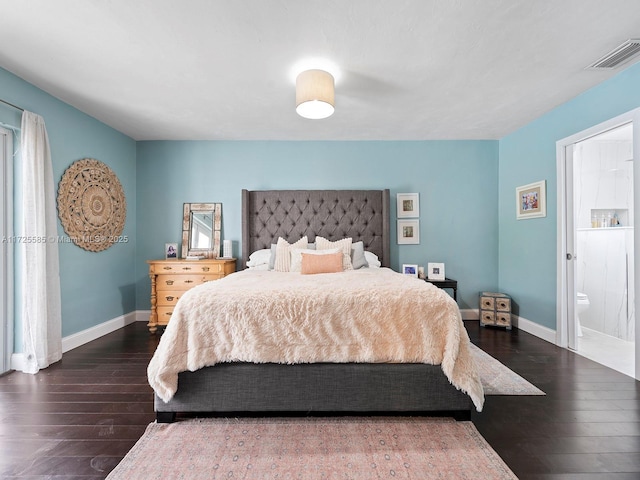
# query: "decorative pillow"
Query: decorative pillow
283,253
357,256
330,263
372,259
259,257
272,260
344,244
296,256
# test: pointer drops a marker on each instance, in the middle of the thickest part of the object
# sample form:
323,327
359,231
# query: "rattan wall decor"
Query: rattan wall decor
91,205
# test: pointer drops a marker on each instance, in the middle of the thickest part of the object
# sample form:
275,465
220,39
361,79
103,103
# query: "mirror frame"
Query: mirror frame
187,210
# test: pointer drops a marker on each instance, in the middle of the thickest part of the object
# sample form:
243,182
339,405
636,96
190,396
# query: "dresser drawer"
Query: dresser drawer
187,267
169,298
183,282
164,314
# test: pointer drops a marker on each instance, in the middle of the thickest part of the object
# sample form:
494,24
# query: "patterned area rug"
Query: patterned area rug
498,379
309,448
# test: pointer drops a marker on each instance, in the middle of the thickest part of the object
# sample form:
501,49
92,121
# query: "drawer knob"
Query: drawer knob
169,299
186,268
205,269
169,282
167,268
168,313
188,281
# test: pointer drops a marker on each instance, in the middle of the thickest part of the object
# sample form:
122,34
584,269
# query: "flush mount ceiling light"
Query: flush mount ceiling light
315,94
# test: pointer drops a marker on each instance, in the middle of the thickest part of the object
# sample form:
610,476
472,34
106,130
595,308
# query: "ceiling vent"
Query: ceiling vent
618,55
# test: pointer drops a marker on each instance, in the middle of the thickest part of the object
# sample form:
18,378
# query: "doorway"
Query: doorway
597,195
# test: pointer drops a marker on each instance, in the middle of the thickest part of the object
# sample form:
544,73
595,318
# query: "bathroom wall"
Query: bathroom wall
603,182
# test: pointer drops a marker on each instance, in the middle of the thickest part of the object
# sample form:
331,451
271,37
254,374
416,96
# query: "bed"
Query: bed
230,381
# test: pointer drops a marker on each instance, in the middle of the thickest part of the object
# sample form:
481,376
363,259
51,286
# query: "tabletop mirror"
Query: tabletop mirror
201,225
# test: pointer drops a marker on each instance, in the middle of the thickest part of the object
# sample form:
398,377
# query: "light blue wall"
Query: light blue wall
95,287
527,258
456,180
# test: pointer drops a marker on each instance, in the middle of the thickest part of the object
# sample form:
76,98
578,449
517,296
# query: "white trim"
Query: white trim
76,340
85,336
6,230
470,314
535,329
562,307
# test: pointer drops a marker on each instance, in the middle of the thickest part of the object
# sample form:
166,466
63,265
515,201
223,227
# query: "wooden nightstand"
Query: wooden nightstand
171,278
446,283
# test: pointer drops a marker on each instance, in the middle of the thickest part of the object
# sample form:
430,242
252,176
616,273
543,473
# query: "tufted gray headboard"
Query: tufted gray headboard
332,214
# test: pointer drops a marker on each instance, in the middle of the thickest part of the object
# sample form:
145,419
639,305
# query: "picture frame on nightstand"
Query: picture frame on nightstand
409,269
435,271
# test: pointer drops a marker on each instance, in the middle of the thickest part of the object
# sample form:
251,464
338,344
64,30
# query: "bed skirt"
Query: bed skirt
315,388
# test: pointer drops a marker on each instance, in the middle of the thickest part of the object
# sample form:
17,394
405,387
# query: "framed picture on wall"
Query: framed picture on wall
408,205
408,232
531,201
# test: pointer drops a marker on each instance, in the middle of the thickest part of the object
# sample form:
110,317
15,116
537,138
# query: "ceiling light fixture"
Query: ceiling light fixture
315,94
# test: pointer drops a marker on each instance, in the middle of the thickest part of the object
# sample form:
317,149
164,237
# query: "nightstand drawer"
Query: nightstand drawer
164,314
171,278
182,282
187,267
169,298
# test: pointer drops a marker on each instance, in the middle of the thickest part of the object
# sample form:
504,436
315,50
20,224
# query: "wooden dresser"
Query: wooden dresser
171,278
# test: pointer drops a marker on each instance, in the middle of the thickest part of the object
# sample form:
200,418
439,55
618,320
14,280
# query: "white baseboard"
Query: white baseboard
540,331
85,336
522,323
470,314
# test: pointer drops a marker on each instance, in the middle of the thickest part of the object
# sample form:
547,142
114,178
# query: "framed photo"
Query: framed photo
408,232
408,205
435,271
531,201
170,251
408,269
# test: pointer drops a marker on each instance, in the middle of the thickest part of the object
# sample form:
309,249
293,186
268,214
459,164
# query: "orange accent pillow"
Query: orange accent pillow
331,263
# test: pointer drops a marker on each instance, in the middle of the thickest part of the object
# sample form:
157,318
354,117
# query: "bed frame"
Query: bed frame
316,388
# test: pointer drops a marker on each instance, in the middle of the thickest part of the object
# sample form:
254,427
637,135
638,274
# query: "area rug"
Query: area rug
497,379
312,448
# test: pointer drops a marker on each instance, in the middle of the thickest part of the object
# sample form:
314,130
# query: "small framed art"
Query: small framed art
531,201
435,271
408,205
170,251
409,269
408,232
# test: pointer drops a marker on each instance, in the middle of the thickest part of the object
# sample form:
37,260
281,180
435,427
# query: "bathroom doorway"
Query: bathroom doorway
597,263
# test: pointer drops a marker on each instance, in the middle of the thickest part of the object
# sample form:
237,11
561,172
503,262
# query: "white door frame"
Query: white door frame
566,267
6,249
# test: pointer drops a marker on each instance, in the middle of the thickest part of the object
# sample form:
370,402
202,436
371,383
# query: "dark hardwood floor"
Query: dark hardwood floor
78,418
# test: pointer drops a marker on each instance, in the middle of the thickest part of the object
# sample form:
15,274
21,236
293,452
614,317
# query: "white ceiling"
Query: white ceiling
223,69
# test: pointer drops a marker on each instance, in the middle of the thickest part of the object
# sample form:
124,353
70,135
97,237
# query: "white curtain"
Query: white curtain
41,311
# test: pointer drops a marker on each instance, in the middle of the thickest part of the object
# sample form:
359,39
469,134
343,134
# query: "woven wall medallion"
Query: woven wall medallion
91,205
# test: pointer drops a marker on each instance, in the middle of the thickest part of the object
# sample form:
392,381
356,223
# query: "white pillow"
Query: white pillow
259,257
344,245
372,259
283,253
296,256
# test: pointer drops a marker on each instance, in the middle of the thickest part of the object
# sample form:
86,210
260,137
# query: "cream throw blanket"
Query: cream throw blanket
369,315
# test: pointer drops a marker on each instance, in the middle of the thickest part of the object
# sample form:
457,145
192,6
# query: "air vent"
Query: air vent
619,55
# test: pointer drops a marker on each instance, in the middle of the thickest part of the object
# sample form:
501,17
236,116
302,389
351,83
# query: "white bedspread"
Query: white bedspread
367,315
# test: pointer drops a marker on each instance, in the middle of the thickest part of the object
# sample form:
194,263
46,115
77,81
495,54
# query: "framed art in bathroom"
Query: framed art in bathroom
531,201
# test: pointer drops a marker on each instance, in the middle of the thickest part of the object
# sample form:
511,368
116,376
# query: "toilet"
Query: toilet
582,303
